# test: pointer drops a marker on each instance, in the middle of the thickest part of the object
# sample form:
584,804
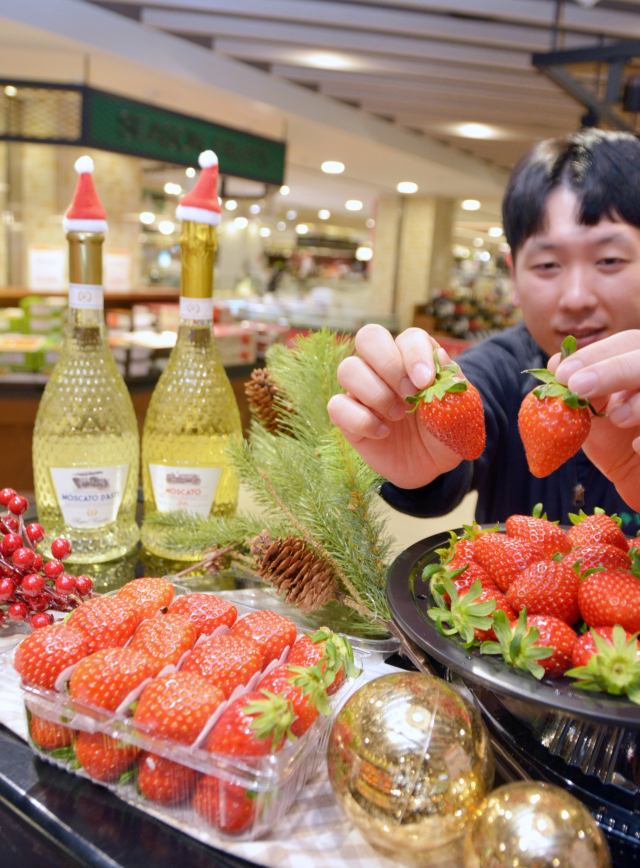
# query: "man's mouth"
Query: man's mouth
584,336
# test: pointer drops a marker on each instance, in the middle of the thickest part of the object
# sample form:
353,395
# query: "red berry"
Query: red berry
42,619
61,548
35,532
18,504
9,524
11,542
84,585
39,603
53,569
23,559
7,589
17,612
6,494
38,562
1,615
32,585
65,584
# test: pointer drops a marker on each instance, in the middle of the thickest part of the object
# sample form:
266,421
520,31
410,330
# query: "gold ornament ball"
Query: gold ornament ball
409,761
534,825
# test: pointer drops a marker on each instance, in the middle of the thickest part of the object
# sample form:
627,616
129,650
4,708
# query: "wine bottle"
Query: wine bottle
86,440
193,415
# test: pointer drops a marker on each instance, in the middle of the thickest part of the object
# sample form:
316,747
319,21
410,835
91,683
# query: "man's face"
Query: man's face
578,280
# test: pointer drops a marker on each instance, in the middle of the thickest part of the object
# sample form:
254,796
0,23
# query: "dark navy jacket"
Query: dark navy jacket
501,475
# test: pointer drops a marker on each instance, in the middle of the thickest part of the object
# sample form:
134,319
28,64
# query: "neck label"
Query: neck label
86,296
196,308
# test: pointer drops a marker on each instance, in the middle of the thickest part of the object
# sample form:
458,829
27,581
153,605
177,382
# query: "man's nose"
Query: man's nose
576,290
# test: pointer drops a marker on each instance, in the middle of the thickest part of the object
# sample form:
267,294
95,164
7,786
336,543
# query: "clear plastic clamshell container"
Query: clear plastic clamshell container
245,796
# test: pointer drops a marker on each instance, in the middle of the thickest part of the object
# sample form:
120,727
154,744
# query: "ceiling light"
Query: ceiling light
475,131
332,167
485,256
147,218
10,90
478,242
265,232
407,187
190,172
323,214
281,226
172,189
328,61
255,209
231,205
353,205
495,231
284,190
302,228
370,223
470,205
241,222
291,215
166,227
364,254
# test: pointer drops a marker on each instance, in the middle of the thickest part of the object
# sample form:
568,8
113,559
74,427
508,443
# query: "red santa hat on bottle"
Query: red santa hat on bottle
86,212
201,204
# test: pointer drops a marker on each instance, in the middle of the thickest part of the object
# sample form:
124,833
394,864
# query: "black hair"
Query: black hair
601,167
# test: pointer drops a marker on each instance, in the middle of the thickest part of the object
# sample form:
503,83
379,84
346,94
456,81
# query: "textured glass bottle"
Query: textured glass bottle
86,441
193,415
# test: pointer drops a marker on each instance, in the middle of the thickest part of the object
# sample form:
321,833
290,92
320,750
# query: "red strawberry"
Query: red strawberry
333,653
106,622
164,781
596,528
272,632
165,639
228,807
555,634
540,644
252,725
611,597
502,604
547,588
305,690
104,758
585,647
107,677
178,705
458,549
206,611
504,558
225,661
47,652
148,595
598,555
48,735
465,613
544,534
451,410
553,422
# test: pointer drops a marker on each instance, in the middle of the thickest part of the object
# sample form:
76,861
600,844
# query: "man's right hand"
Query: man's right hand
374,416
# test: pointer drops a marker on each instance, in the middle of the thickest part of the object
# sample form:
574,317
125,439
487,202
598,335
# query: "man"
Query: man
571,215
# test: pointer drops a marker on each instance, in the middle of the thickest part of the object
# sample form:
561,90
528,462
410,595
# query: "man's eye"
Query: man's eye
546,266
610,261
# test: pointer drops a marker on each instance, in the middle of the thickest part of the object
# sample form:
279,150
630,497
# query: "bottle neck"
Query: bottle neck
198,242
86,303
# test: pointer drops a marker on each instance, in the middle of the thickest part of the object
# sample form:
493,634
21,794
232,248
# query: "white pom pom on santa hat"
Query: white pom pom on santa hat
83,165
207,159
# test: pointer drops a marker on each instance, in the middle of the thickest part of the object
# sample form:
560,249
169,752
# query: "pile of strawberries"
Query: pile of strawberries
177,667
546,600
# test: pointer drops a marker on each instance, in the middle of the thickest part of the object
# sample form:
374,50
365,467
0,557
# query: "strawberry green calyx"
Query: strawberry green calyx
537,512
274,716
445,381
447,553
338,653
517,646
580,517
311,682
614,668
551,388
465,615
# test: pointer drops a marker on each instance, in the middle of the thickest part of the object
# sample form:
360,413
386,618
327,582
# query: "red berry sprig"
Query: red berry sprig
29,587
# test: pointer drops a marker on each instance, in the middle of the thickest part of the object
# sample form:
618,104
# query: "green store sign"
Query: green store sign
103,120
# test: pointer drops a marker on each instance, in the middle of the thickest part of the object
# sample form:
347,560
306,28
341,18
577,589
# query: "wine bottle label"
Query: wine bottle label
86,296
196,308
191,488
89,497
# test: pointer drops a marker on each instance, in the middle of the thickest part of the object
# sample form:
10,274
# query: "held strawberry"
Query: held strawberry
553,422
272,632
609,597
207,611
596,528
536,528
614,667
547,588
225,661
451,410
504,559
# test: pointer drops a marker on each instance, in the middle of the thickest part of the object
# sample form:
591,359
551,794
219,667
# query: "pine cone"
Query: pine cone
260,391
302,577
